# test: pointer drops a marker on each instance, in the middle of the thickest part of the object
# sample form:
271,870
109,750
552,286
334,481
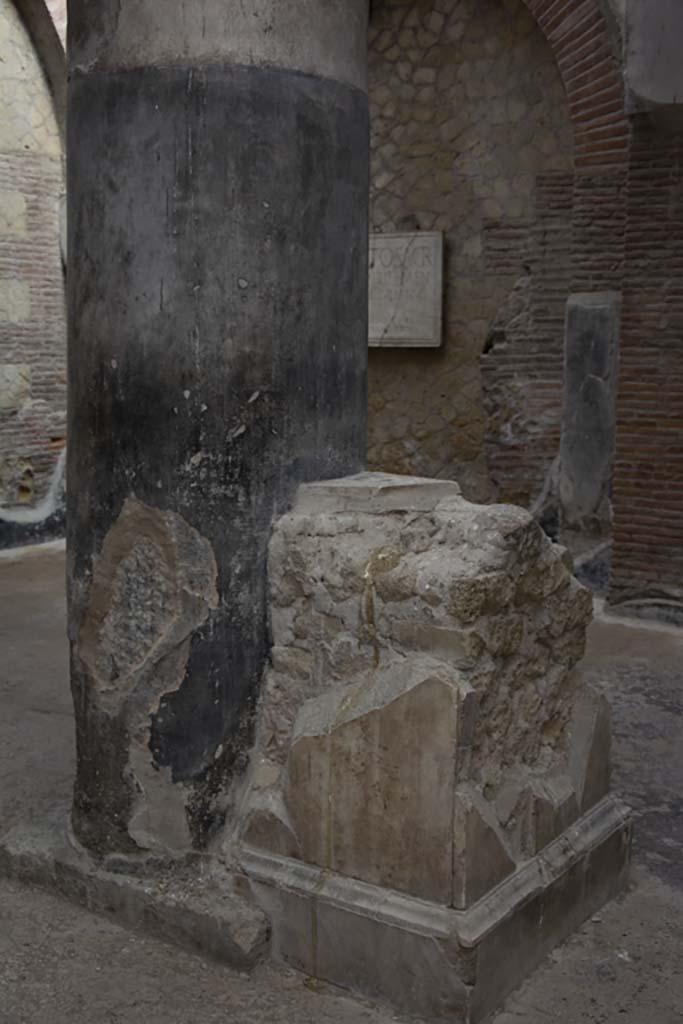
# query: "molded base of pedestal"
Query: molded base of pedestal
424,958
191,904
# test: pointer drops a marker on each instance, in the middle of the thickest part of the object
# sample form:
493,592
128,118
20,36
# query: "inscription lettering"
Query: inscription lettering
406,289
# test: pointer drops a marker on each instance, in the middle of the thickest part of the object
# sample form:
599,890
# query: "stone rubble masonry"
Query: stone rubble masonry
423,730
32,320
464,613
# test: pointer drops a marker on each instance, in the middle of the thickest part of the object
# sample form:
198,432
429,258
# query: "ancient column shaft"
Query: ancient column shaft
218,189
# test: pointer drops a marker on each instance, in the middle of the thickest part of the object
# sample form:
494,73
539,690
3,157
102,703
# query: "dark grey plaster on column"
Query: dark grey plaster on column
218,347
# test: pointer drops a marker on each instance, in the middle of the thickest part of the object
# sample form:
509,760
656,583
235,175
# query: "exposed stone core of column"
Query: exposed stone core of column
218,347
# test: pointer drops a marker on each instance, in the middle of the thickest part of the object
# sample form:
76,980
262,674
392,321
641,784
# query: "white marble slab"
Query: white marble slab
406,289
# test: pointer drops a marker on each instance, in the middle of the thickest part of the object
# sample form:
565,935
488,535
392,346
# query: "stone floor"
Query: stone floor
60,965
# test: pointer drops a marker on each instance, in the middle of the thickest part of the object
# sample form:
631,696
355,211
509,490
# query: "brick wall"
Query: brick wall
32,318
647,568
587,52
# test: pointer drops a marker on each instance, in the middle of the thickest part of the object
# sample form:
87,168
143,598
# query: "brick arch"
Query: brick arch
581,39
39,19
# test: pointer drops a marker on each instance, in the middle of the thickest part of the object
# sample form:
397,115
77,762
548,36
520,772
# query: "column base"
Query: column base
191,904
425,958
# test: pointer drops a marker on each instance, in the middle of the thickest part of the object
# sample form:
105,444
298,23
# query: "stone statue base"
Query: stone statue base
427,809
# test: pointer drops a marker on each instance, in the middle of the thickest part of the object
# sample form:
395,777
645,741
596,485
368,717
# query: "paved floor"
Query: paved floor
61,965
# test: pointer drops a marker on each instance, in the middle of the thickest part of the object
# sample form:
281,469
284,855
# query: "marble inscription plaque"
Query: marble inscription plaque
406,289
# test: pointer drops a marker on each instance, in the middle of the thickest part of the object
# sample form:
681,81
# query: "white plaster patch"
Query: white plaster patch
15,386
12,213
15,300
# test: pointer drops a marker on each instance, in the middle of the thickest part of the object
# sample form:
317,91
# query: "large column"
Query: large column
217,297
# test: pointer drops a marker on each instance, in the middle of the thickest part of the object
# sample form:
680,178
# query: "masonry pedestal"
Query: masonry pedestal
218,187
428,810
